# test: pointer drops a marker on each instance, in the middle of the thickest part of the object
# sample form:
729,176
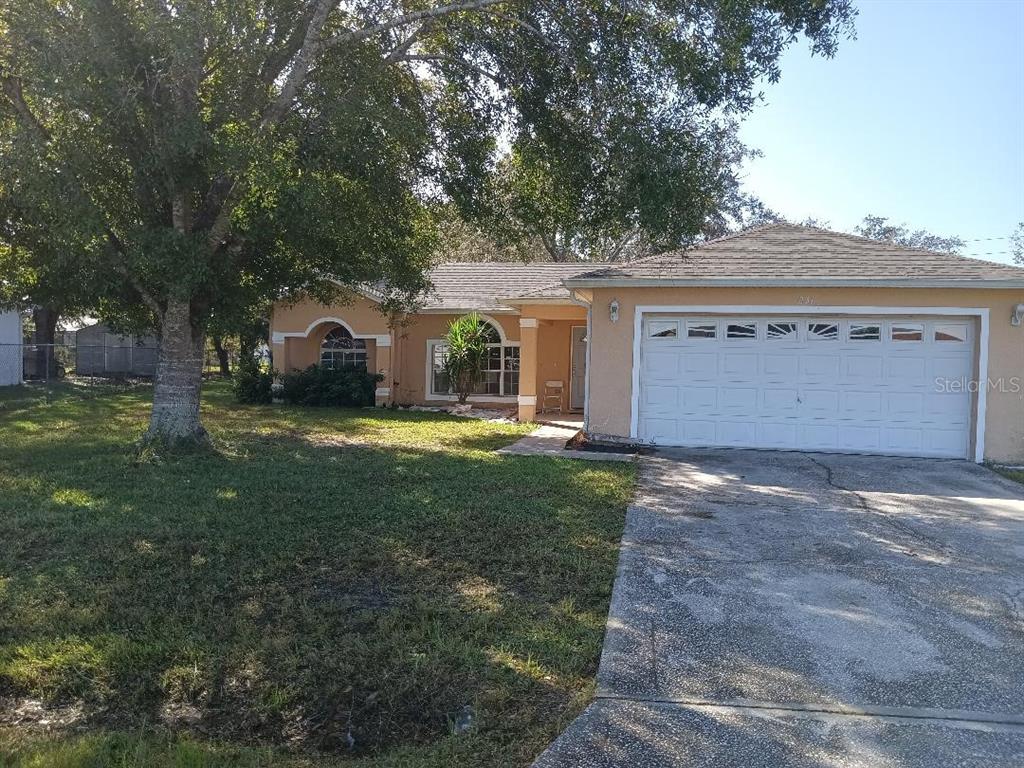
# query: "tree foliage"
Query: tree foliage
194,157
466,353
880,228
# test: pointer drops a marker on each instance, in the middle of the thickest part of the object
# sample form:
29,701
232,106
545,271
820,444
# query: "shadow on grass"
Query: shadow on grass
340,599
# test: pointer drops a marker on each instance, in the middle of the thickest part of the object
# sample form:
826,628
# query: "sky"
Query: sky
920,119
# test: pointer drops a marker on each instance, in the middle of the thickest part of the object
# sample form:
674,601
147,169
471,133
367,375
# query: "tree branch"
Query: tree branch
454,60
14,93
13,90
312,44
357,35
277,62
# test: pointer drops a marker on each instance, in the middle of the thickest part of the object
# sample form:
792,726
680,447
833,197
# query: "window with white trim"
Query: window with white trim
340,350
501,368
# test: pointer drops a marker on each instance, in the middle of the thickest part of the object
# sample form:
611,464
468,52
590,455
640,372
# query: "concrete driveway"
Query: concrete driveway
785,609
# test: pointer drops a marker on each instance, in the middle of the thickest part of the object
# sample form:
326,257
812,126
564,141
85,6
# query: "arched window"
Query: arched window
501,369
340,350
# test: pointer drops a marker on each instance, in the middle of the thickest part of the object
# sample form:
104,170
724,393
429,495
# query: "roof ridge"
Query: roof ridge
697,246
583,264
918,249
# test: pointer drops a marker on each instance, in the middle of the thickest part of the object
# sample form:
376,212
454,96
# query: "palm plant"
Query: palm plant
466,354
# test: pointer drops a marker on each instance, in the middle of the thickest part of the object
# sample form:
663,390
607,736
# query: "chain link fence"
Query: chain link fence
48,363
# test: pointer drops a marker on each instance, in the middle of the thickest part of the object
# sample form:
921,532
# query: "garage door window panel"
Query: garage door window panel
741,331
822,331
865,332
786,331
663,329
696,329
907,332
951,332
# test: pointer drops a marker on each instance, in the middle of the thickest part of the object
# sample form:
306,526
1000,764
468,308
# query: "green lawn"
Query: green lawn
329,587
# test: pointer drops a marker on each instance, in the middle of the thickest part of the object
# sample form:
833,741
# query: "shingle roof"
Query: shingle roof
483,286
787,252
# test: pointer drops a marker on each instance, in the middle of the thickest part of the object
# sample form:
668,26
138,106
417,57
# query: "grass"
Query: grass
329,587
1013,474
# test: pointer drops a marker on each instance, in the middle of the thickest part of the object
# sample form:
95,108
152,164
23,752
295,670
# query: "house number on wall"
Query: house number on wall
807,300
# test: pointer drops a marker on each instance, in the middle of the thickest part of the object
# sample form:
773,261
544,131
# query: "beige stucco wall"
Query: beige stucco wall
554,355
303,323
360,313
612,345
411,356
405,370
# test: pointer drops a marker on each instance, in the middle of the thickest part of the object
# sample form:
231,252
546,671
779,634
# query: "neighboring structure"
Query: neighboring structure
780,337
10,349
100,352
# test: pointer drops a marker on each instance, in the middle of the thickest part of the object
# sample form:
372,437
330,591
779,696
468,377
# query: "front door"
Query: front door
578,385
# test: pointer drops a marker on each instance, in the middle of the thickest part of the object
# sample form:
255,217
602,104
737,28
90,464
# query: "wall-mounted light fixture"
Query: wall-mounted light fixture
1018,315
613,311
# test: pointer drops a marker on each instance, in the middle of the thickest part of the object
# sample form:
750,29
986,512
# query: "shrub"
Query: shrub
251,385
348,386
466,343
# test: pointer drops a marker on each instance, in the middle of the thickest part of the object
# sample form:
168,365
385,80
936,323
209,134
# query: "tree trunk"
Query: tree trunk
179,376
45,334
222,357
246,351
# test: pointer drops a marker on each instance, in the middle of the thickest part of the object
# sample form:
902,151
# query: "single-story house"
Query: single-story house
99,351
10,348
779,337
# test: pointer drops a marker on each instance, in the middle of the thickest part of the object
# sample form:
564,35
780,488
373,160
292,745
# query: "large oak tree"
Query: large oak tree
210,154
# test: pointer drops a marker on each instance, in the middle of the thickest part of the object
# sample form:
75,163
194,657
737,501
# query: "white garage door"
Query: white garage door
864,385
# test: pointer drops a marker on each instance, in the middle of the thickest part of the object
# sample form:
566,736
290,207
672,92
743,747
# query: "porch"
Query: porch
553,364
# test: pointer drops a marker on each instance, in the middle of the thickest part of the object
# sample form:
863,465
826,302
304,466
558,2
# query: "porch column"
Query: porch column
383,361
279,352
528,327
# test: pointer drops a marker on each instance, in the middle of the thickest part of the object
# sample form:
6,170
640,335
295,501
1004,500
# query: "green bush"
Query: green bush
466,354
317,385
251,385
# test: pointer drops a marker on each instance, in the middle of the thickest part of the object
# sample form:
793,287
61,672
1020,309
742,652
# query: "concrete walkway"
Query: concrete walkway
786,609
550,440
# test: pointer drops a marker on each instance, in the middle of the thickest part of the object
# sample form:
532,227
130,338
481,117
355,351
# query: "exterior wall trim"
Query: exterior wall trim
982,313
381,339
586,374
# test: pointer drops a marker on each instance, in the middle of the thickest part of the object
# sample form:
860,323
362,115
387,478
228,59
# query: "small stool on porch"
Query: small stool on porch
552,399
